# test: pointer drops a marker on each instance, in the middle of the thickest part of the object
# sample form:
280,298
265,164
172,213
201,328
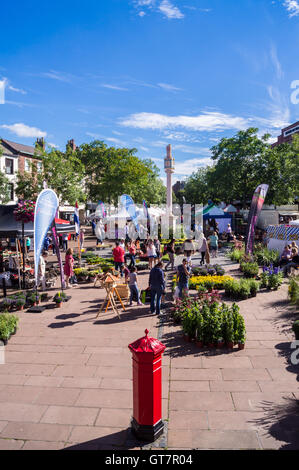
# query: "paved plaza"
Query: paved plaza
67,379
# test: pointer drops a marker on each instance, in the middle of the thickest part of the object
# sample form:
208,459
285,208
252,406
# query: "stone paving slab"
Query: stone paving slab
67,382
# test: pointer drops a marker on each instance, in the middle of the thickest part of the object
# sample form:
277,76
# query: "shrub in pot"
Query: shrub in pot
58,298
293,290
249,269
20,302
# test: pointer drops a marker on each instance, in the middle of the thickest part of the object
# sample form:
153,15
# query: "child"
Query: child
133,286
126,272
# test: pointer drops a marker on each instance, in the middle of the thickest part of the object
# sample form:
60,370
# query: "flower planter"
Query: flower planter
241,346
58,304
230,345
186,338
199,344
211,345
220,345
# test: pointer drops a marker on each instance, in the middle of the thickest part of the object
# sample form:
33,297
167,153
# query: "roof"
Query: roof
15,148
290,213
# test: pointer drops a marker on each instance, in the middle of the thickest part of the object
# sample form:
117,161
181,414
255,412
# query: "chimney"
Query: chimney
71,144
40,143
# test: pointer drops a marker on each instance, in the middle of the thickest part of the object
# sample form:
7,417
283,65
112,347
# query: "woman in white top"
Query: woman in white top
203,250
151,253
188,248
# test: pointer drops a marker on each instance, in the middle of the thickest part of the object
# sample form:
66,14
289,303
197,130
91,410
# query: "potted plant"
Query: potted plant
58,298
229,327
295,328
7,304
34,299
20,302
200,331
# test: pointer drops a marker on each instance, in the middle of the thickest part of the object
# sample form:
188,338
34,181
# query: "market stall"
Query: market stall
214,213
278,236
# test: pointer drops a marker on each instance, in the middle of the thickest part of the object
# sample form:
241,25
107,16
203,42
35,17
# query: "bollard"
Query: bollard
147,424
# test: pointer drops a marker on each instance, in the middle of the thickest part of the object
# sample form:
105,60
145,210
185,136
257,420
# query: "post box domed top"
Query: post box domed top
147,344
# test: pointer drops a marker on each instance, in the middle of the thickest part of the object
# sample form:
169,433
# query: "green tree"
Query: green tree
61,171
197,190
112,172
236,172
279,167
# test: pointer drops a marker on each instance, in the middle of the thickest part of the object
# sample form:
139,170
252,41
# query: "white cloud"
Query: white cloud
113,87
54,146
164,6
279,112
17,90
170,11
59,76
187,167
275,61
194,150
168,87
207,121
292,6
141,3
22,130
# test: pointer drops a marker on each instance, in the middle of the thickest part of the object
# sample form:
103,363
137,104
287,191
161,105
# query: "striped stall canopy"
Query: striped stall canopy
283,232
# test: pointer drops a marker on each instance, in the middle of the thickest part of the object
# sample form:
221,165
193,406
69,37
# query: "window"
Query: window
9,166
27,165
39,166
11,191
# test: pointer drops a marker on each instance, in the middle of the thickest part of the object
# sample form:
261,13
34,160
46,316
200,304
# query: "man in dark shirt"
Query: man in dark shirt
183,273
157,285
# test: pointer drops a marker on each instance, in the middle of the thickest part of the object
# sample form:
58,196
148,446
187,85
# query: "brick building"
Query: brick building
18,158
287,134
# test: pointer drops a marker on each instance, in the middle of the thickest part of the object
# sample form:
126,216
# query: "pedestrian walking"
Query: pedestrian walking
214,244
183,274
133,285
203,250
65,242
93,226
132,254
188,249
157,286
158,248
82,237
41,277
28,244
119,257
68,266
170,250
151,253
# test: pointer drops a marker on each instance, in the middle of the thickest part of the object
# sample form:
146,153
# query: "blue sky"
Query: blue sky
145,73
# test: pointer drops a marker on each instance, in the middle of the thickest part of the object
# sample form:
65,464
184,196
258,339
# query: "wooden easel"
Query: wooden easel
110,286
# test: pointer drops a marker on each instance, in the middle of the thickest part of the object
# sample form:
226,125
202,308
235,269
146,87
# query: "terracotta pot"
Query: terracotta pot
211,345
220,345
241,346
186,338
58,304
230,345
199,344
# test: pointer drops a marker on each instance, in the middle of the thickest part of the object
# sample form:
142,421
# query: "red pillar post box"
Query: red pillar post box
147,422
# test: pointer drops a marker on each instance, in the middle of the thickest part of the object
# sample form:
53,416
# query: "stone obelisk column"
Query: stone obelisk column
169,170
